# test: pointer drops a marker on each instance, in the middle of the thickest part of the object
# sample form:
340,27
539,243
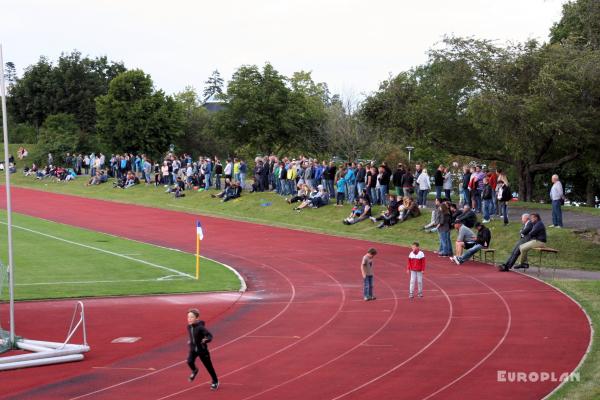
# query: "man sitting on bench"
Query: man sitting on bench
525,229
484,237
535,238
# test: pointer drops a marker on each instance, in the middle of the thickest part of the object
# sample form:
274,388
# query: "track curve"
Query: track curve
302,330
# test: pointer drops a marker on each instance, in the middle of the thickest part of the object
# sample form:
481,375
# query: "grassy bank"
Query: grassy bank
271,209
587,293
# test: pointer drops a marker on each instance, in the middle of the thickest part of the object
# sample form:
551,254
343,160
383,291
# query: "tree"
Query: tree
69,87
198,136
133,117
59,134
214,86
580,24
268,113
10,74
522,105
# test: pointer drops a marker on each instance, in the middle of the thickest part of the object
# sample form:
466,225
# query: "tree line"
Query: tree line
531,108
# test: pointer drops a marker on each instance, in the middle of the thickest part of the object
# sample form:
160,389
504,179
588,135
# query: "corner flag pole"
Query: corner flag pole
11,275
199,237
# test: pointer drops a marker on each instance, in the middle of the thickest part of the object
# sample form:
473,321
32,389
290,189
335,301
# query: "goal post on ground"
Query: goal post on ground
42,352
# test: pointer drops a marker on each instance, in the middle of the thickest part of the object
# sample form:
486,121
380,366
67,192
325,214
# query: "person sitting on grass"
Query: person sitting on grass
432,225
231,191
303,193
315,200
389,217
408,209
364,213
178,187
484,238
99,178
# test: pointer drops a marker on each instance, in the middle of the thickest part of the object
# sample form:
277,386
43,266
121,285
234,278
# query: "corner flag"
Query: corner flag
199,230
199,237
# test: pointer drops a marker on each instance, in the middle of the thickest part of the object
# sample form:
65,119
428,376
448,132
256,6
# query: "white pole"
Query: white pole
11,276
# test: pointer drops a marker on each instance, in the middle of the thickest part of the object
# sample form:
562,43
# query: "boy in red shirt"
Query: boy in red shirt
416,267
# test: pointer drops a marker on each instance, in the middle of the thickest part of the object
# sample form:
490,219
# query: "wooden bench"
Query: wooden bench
550,251
483,255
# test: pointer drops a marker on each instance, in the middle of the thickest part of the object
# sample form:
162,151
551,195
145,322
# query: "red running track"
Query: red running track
301,330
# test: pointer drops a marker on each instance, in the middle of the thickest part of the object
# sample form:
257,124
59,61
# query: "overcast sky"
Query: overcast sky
352,45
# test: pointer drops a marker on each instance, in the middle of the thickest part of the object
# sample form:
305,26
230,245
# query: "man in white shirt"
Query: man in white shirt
557,196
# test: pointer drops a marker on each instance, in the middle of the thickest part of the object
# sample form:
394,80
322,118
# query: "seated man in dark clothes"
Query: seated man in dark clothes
390,216
455,212
233,192
534,239
484,238
468,217
516,252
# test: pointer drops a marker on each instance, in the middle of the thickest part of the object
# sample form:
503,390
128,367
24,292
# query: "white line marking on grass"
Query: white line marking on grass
104,251
88,282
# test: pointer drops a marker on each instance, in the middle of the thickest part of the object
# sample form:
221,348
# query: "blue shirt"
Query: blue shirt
350,177
341,186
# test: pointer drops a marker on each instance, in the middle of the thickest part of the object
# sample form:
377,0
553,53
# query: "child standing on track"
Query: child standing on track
416,267
199,339
366,268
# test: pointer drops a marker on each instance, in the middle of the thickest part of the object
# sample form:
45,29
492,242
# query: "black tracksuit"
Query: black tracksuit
199,348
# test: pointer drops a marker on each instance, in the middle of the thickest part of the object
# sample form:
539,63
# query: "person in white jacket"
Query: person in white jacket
424,188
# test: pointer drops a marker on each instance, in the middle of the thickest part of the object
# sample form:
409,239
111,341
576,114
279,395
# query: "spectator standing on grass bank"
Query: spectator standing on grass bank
424,187
199,338
416,267
557,196
366,268
447,183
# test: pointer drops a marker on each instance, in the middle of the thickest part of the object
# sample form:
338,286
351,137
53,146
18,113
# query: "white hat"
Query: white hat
320,187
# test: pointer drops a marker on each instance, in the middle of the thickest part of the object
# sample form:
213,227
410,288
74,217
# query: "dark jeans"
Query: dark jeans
205,358
514,254
447,193
504,208
340,198
556,213
368,287
438,192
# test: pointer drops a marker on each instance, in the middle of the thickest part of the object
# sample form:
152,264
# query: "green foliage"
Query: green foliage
214,86
523,105
59,134
133,117
69,87
580,24
269,113
198,137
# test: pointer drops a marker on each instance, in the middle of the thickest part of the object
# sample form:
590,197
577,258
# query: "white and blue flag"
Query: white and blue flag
199,230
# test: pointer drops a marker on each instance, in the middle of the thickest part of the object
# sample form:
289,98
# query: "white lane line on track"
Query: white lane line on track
313,332
386,323
508,325
283,310
424,348
102,250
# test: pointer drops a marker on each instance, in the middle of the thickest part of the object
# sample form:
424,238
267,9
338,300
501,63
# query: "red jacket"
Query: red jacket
416,262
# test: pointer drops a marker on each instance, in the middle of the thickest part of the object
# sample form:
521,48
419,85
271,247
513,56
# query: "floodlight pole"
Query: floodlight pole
11,277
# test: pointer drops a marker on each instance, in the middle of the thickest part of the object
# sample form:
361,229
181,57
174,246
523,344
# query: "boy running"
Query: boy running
199,339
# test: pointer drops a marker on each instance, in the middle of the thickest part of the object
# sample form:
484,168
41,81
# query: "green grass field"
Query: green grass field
56,261
587,293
